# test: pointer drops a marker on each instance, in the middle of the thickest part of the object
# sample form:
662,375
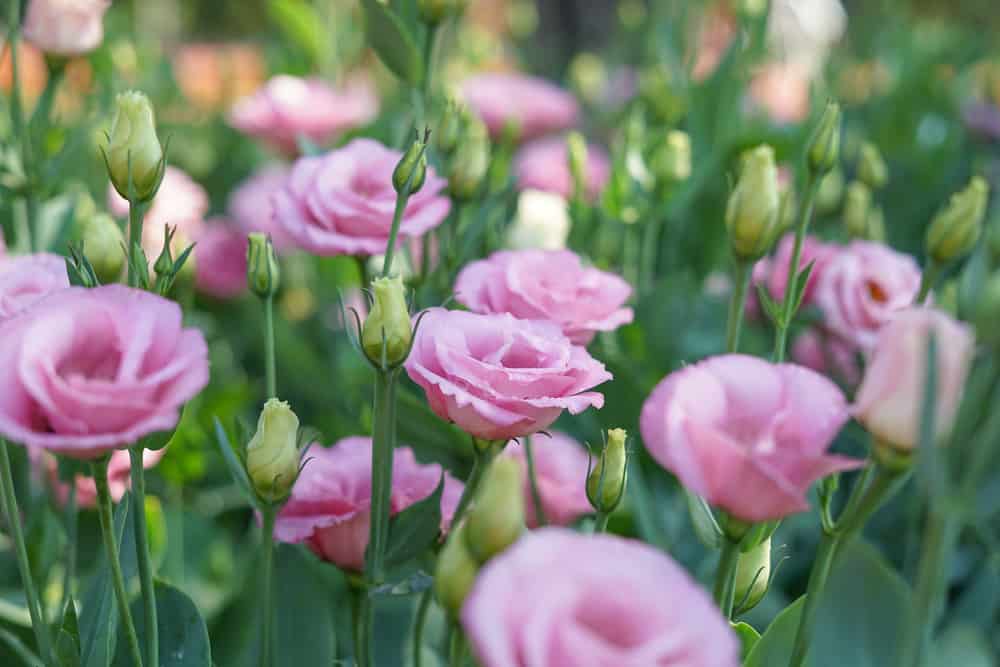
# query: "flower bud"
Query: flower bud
450,127
824,147
876,225
455,572
414,161
133,143
272,453
469,164
102,244
388,323
857,209
263,273
434,11
752,212
576,154
671,162
752,574
872,169
663,90
956,228
496,518
831,191
606,484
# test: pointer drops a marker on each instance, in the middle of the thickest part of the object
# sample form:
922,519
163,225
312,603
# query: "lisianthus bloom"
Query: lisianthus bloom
548,285
288,107
213,75
119,475
747,435
342,203
87,371
543,164
558,598
828,354
24,279
498,377
772,272
330,506
250,208
221,260
533,105
560,472
65,27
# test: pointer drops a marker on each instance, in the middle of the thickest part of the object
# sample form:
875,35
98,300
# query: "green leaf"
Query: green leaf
303,25
182,632
68,638
801,281
414,530
303,608
771,308
18,648
748,637
389,38
961,645
236,467
775,646
99,622
705,526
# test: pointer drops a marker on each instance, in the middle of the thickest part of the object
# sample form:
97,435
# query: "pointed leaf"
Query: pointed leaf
99,622
771,308
182,632
775,646
801,281
705,526
389,38
236,467
748,637
414,530
68,638
18,648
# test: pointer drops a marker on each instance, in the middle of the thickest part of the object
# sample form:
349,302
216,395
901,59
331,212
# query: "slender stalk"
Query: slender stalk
536,496
418,626
100,471
144,561
397,217
269,354
267,573
456,647
788,303
18,125
737,304
71,512
725,577
427,84
136,211
601,522
817,582
360,603
884,484
10,510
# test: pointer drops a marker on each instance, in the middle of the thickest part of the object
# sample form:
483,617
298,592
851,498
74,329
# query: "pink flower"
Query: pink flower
65,27
773,271
535,105
91,370
342,203
546,285
561,465
288,106
782,91
558,598
543,164
748,435
498,377
827,354
119,475
861,288
221,260
24,279
250,205
330,504
890,398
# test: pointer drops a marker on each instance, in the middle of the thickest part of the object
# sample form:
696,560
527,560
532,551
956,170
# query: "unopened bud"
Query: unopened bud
133,144
469,164
752,574
263,274
663,90
831,191
455,571
102,244
576,154
857,209
752,212
671,162
272,453
872,169
496,518
387,328
876,225
450,127
606,484
824,148
412,168
954,231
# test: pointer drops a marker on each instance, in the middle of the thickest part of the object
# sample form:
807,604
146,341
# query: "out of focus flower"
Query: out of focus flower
747,435
65,27
542,221
119,475
212,76
801,32
288,107
560,470
32,71
773,272
250,207
330,506
498,377
342,203
534,105
782,91
983,119
26,279
633,603
857,209
828,354
718,27
872,168
548,285
543,165
671,161
134,154
221,260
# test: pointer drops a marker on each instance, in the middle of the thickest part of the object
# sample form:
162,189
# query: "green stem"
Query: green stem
737,304
136,211
71,511
536,496
927,280
884,484
10,510
360,604
456,647
418,626
817,582
788,303
397,217
269,354
267,573
601,522
100,472
144,561
429,44
725,577
650,251
18,125
484,455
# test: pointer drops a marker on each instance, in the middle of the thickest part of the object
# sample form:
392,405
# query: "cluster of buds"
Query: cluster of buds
464,141
752,214
606,482
272,455
863,217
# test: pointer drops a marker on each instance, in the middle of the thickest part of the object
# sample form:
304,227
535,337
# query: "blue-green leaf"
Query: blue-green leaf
748,638
388,37
236,467
775,646
182,632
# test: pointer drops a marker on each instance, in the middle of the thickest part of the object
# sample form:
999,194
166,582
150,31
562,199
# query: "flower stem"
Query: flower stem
650,250
360,604
418,626
71,515
456,647
136,211
737,304
18,125
269,354
601,522
427,83
788,303
267,574
817,582
143,557
725,577
10,510
536,496
100,472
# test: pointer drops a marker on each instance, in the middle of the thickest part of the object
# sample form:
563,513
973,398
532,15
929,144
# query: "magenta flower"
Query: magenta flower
86,371
287,107
561,473
342,203
543,164
250,206
24,279
498,377
534,105
548,285
220,260
748,435
558,598
65,27
329,508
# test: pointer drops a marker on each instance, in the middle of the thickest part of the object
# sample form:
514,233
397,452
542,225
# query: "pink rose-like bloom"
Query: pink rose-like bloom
862,287
773,271
498,377
890,398
288,106
557,598
342,203
24,279
65,27
221,260
748,435
250,206
330,505
543,164
827,354
119,475
548,285
535,105
561,465
86,371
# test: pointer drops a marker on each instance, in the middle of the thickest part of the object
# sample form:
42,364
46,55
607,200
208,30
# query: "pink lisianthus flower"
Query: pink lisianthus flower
25,279
221,260
543,164
65,27
561,465
250,206
534,105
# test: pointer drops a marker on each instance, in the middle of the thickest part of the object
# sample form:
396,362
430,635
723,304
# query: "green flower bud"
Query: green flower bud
450,127
496,518
857,209
671,161
576,154
455,571
876,225
824,147
133,141
752,212
956,228
605,494
272,453
588,76
872,169
102,244
752,574
831,191
664,93
263,272
414,161
469,164
388,323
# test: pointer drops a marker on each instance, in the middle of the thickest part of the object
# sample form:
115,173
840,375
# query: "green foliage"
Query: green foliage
182,632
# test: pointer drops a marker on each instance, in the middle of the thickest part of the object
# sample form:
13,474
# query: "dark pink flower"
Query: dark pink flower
536,106
561,465
220,260
543,164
